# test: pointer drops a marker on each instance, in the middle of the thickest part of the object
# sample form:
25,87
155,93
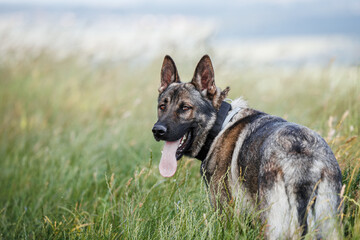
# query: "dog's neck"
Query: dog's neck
222,117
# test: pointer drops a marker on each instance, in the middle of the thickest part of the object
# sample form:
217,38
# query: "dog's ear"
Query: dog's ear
169,73
204,77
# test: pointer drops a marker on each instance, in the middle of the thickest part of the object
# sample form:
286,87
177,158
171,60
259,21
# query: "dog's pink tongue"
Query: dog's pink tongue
168,162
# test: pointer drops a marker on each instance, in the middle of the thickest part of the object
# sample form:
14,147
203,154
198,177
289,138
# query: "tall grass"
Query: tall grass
78,161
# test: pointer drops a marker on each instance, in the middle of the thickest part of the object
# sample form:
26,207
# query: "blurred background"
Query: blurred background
78,97
241,32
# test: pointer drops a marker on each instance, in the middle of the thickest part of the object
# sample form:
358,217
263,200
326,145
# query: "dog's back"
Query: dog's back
288,169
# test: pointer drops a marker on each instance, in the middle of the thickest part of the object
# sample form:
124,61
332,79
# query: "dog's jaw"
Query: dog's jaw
201,133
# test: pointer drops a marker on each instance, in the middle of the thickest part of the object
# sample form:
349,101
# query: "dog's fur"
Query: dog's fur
286,169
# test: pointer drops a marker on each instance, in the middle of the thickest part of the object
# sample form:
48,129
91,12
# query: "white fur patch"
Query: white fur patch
243,199
325,211
282,214
239,102
235,174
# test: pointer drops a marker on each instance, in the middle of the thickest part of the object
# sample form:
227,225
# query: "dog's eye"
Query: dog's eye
185,108
162,107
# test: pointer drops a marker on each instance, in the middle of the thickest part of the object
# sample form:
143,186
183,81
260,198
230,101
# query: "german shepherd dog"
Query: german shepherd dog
286,170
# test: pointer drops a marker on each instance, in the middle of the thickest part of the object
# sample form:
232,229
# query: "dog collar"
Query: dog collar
229,116
223,117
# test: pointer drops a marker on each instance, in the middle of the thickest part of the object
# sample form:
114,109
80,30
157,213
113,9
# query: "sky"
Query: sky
183,2
263,30
242,18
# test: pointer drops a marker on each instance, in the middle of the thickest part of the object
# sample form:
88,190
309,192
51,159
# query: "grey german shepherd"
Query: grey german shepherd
285,169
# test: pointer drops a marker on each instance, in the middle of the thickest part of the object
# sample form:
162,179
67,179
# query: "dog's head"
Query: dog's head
186,111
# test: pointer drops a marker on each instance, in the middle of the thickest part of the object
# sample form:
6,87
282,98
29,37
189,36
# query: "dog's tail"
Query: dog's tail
311,208
322,213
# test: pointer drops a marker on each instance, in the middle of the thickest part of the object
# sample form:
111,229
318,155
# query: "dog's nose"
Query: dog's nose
159,130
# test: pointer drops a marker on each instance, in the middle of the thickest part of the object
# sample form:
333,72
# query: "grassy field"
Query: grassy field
78,160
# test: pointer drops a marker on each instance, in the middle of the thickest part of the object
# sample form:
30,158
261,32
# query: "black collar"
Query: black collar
214,131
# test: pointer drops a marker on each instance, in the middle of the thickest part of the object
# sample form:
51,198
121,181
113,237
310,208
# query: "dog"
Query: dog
285,169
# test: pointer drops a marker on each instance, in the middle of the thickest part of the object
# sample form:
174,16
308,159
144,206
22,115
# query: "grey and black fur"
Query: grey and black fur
286,169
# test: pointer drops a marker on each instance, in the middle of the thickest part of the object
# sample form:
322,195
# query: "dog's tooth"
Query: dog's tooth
181,142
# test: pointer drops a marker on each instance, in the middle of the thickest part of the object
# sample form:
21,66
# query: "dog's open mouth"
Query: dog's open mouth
172,152
184,145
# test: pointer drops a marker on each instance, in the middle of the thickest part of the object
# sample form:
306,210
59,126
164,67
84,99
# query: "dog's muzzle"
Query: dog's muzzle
159,131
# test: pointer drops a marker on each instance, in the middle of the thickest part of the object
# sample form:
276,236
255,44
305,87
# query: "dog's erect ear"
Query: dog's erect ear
169,73
204,78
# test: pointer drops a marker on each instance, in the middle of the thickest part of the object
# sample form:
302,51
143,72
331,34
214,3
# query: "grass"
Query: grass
78,160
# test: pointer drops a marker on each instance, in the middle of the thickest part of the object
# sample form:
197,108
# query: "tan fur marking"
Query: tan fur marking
219,162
